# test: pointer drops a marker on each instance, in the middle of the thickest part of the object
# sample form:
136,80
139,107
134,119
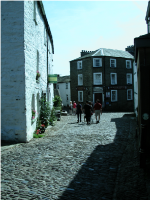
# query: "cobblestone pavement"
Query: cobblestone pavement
77,161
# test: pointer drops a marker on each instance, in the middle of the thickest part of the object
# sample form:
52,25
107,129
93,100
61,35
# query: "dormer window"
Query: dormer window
79,65
112,63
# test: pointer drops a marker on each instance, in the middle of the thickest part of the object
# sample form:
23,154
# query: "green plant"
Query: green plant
57,101
52,116
37,75
44,112
37,135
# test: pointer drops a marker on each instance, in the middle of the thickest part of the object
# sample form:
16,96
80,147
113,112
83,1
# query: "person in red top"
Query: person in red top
97,110
74,107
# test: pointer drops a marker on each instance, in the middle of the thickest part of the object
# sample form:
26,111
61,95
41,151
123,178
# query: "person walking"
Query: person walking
70,108
87,111
97,110
79,111
91,120
74,107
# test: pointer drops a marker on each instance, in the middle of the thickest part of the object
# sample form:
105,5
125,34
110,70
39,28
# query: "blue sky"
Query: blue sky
90,25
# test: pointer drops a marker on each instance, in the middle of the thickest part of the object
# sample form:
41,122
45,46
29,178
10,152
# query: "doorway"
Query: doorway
98,96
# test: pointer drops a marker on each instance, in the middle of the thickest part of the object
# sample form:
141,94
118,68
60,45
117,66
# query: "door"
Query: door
98,96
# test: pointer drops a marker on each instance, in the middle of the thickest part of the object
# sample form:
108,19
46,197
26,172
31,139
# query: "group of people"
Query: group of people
88,110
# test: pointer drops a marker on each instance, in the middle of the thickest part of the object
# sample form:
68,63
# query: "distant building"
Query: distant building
130,49
63,86
26,47
104,74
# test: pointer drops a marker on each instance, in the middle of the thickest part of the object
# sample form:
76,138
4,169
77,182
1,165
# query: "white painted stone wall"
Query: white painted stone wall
13,126
63,92
21,38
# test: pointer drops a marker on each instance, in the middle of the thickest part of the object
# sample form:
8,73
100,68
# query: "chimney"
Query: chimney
83,52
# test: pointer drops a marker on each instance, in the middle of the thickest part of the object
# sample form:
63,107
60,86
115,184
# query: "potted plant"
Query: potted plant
37,75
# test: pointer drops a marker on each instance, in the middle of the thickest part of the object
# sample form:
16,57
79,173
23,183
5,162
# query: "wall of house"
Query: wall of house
34,40
13,127
122,104
90,90
64,92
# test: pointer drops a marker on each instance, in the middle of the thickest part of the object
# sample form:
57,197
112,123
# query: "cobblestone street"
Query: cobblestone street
77,161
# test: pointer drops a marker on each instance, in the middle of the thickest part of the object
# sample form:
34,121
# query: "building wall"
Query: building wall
21,39
135,88
122,104
35,37
90,90
13,125
63,92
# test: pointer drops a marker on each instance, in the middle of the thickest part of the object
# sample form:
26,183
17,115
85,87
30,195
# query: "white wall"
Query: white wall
20,40
13,125
34,40
63,92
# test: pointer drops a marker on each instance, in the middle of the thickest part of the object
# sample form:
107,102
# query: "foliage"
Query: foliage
52,117
37,75
57,101
37,135
44,112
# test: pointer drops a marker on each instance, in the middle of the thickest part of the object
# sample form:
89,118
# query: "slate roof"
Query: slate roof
63,79
108,52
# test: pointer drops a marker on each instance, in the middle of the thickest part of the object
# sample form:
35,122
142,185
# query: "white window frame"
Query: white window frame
129,90
129,82
80,100
79,64
94,80
94,62
80,75
66,85
112,59
115,81
127,64
116,98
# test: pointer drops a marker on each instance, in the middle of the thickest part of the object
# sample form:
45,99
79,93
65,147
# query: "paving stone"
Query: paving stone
77,161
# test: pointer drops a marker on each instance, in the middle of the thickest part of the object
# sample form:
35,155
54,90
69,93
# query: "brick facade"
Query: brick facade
92,91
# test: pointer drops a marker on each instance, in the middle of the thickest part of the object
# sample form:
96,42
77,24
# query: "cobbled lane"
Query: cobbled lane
77,161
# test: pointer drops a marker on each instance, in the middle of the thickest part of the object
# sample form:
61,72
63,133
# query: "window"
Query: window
45,36
97,78
128,64
66,97
66,85
80,79
80,96
57,86
129,78
79,65
34,11
113,77
37,64
113,95
97,62
129,94
112,63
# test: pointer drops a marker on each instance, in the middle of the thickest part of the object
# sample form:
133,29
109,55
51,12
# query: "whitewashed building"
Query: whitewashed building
26,47
63,86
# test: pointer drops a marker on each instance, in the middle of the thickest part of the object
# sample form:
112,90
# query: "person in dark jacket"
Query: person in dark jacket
87,111
79,111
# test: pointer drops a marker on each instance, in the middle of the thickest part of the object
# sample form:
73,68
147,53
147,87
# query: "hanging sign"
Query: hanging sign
52,78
